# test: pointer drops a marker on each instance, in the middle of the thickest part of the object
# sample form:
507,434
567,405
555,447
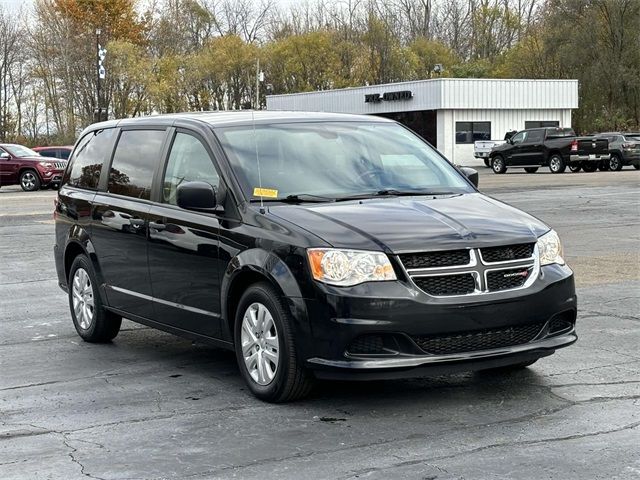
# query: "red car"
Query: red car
22,166
62,152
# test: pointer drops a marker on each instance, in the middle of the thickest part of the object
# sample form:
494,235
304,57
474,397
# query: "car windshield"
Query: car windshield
20,151
332,160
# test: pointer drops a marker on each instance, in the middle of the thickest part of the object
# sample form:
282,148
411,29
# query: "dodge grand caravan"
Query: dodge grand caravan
314,245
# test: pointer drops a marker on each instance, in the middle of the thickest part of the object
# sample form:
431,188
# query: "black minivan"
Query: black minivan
315,245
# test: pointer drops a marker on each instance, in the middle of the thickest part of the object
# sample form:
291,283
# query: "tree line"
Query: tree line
178,55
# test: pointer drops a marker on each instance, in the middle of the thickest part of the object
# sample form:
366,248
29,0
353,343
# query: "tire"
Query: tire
589,167
93,322
575,167
637,166
556,164
487,163
615,163
29,181
531,169
603,165
286,380
498,165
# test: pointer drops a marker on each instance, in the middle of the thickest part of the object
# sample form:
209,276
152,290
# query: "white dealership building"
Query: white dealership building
451,113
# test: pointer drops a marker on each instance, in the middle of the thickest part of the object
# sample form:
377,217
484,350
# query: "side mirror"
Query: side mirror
471,174
199,196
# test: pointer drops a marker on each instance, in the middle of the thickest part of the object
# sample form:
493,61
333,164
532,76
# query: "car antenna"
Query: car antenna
255,143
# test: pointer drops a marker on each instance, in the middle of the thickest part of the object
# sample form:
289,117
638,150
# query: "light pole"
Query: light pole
100,55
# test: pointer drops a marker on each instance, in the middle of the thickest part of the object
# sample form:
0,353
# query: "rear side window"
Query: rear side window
535,136
47,153
86,163
135,159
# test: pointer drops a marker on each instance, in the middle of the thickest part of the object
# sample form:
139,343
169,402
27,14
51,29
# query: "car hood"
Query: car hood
405,224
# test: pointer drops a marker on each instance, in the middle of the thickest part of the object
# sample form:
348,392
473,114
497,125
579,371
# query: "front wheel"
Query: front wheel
590,167
498,165
575,167
29,181
556,164
531,169
265,349
615,163
603,165
93,322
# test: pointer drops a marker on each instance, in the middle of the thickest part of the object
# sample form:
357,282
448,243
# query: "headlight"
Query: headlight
550,249
349,267
46,164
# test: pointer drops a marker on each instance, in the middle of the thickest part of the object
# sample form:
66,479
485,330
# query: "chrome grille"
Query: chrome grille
60,165
479,340
473,271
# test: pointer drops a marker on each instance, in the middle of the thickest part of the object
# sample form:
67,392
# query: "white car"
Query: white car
482,149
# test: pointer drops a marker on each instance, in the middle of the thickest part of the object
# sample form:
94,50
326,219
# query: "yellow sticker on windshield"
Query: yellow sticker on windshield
265,192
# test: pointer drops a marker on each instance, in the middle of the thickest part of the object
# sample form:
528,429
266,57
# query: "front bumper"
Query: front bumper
398,310
51,177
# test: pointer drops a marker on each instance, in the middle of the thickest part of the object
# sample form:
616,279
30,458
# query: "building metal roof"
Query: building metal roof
435,94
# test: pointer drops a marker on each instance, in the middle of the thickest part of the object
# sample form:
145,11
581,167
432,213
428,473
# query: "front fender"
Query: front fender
271,266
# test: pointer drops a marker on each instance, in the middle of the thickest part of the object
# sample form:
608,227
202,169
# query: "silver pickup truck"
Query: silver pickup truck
482,149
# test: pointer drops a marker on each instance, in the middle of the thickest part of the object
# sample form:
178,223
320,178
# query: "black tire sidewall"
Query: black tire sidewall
267,295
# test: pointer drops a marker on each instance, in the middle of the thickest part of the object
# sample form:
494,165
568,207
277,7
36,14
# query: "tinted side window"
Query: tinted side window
134,161
86,163
48,153
535,136
518,138
188,161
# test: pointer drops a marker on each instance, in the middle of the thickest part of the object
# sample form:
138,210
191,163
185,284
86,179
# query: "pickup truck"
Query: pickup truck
553,147
482,149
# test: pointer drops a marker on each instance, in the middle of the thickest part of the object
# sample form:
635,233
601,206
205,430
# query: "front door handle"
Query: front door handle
157,226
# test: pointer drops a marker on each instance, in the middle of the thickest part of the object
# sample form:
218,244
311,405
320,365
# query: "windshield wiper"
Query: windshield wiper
390,192
297,198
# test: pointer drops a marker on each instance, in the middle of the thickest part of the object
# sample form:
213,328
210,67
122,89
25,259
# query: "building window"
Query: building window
541,123
469,132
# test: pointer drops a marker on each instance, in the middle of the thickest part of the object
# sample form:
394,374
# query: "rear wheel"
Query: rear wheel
603,165
92,321
265,349
556,164
531,169
487,163
615,163
498,165
575,167
590,167
29,181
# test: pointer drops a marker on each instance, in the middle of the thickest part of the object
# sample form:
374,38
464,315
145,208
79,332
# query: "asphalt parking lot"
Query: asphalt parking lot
154,406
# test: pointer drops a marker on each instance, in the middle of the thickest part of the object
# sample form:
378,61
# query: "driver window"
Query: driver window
189,161
518,138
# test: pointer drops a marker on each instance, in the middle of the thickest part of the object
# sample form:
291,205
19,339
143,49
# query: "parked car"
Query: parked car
22,166
624,149
61,152
482,149
295,240
554,147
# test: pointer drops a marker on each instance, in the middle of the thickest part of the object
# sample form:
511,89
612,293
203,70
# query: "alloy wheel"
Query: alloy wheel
554,164
82,294
260,344
28,181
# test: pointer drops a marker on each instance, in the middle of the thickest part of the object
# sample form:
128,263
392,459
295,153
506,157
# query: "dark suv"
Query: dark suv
21,165
624,149
315,245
